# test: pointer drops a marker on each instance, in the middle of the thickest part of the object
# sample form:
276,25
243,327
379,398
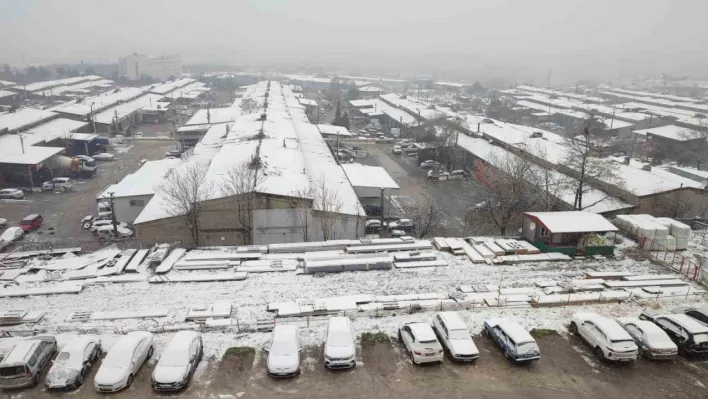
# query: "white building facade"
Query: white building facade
136,65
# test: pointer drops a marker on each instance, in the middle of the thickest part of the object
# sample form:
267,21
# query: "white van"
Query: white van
22,365
339,350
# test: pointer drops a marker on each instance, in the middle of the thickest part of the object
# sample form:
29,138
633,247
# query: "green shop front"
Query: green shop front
574,233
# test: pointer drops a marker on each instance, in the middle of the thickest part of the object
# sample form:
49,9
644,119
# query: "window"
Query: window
544,232
137,202
32,360
700,316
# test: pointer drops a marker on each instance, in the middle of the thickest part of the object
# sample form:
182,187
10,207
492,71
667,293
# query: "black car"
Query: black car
688,334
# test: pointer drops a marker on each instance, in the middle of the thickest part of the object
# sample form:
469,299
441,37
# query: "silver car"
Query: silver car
11,193
73,362
652,341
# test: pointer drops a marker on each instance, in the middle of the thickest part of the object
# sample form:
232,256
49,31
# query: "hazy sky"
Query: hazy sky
574,38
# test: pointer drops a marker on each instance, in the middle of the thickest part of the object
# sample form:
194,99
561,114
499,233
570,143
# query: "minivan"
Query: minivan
690,335
31,222
339,351
518,345
23,363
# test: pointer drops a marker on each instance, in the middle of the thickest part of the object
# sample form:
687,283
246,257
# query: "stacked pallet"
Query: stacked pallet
660,233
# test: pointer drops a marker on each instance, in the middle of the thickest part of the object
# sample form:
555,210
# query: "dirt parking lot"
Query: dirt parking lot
567,369
453,197
64,211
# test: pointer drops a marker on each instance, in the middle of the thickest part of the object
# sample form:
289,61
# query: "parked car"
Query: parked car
396,149
111,233
652,341
31,222
421,343
3,223
123,361
339,350
438,175
458,175
373,226
97,224
104,156
173,154
284,352
397,233
73,363
178,361
607,338
687,333
430,164
11,193
87,221
58,184
455,337
700,314
372,210
401,224
23,363
10,235
518,345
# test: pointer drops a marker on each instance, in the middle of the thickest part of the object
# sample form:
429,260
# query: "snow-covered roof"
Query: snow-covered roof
371,89
24,117
368,176
600,201
125,109
7,83
37,86
363,103
5,93
415,107
673,132
372,79
76,88
214,115
100,102
642,182
192,90
52,130
334,130
308,102
650,94
573,222
11,152
575,96
143,181
167,87
451,84
307,78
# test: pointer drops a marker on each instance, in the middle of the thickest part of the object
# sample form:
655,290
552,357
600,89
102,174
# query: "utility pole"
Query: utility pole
382,207
113,214
22,142
93,120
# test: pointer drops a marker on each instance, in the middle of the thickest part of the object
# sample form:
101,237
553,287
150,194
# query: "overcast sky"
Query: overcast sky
574,38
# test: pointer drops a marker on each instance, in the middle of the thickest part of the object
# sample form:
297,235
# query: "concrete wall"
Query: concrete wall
681,203
127,209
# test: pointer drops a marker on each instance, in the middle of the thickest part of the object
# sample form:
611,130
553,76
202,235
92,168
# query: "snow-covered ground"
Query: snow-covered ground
251,297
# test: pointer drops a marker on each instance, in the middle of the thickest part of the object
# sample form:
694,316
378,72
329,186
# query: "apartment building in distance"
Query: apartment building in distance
136,65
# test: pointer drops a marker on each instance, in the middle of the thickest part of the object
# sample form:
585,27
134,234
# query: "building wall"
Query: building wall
127,209
135,65
682,203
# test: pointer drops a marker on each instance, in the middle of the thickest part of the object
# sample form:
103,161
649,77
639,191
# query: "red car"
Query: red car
31,222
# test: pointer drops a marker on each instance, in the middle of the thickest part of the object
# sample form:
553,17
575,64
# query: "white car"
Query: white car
11,193
429,164
396,149
284,352
11,234
104,156
652,341
420,341
178,361
3,223
401,224
58,183
97,224
73,362
607,338
123,361
455,336
339,350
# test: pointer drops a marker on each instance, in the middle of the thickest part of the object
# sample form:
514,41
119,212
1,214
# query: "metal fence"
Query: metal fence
690,268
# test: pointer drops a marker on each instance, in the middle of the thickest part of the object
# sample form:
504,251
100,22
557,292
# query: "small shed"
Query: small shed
571,232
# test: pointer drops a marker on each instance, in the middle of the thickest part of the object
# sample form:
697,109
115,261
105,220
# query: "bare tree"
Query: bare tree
249,105
585,158
184,190
694,149
508,191
242,184
549,183
329,205
301,203
426,217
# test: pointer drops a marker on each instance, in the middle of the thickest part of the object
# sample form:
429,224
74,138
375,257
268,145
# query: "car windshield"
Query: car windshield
526,347
339,338
700,338
459,334
12,371
174,358
283,348
63,356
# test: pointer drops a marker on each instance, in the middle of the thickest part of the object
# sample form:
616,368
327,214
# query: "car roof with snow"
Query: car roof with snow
514,330
689,323
284,331
182,339
339,323
422,331
19,352
608,326
453,321
646,325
